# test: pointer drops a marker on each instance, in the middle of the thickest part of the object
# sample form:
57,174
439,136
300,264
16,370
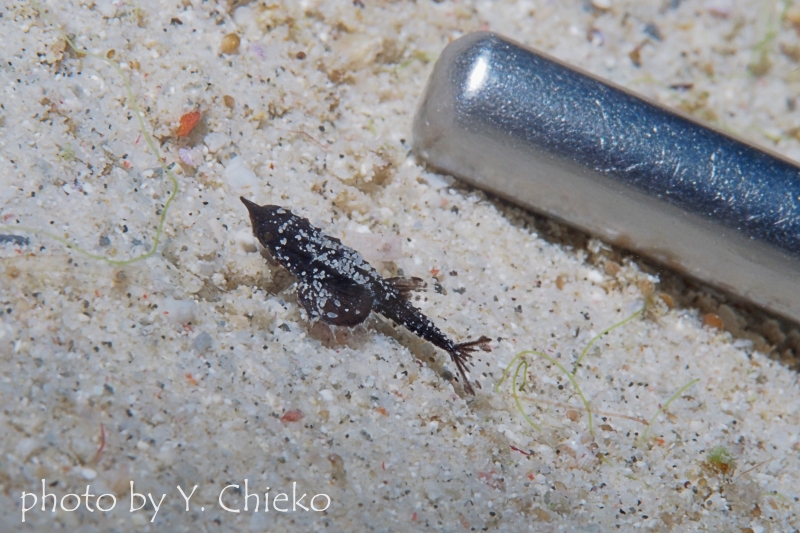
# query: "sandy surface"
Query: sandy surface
196,366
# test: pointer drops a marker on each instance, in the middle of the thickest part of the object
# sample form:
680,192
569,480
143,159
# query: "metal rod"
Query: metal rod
562,142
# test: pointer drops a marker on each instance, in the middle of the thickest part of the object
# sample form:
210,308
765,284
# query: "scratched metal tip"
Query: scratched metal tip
545,135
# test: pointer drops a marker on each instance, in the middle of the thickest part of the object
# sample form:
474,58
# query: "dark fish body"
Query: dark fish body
335,284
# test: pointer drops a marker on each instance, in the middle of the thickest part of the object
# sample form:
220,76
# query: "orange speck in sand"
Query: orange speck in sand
292,415
713,321
188,122
491,479
190,379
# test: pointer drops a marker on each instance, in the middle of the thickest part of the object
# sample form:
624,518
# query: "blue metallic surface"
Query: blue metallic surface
521,124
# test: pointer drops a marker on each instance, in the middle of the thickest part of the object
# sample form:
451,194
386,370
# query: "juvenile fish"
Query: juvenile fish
335,284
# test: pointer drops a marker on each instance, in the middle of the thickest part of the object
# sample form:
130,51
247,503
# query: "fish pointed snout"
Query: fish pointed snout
248,204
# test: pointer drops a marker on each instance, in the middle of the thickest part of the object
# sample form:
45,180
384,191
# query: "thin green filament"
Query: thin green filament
150,143
522,366
663,407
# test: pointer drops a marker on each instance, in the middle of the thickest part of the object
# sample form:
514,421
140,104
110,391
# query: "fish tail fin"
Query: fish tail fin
461,355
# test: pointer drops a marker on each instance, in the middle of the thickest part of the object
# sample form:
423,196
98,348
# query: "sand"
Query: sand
196,367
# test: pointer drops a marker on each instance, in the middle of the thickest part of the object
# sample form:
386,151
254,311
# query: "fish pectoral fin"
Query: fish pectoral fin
405,286
336,301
